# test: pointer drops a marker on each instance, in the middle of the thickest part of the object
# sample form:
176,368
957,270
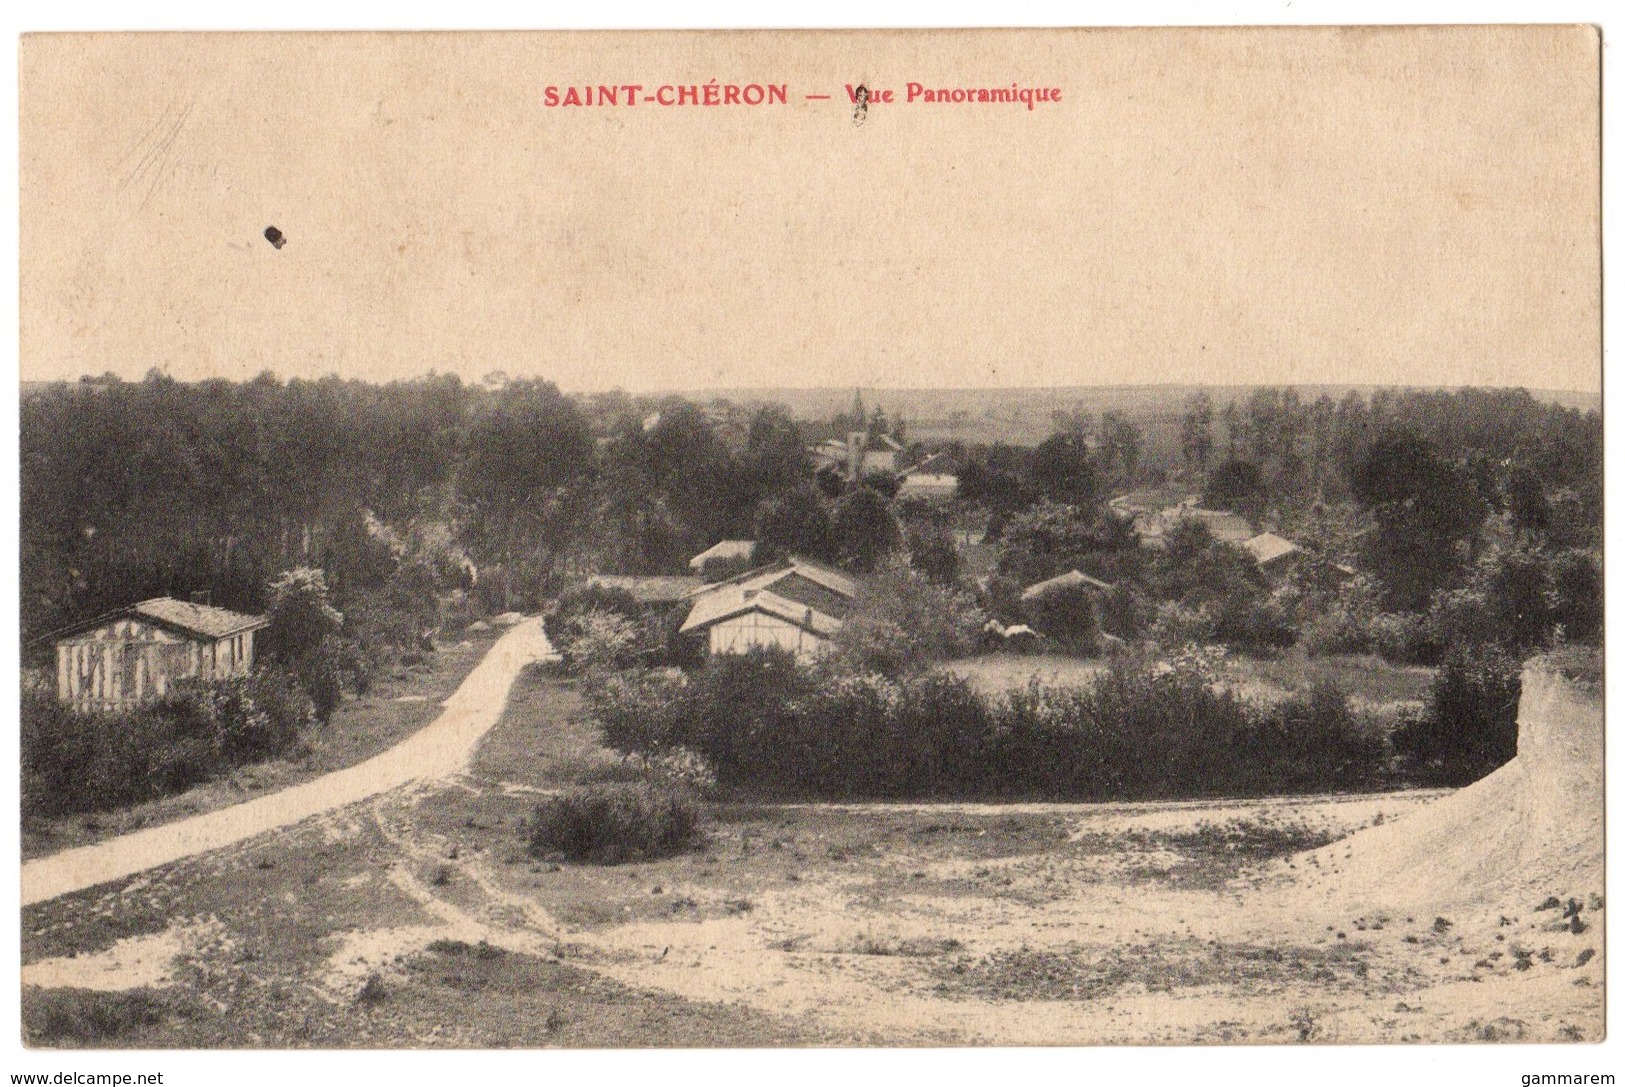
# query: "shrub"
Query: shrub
637,708
931,550
58,1017
611,627
90,762
1174,624
1403,638
902,620
610,824
580,599
770,726
1259,621
677,768
1577,595
599,641
1067,614
1470,724
1124,612
1518,585
304,636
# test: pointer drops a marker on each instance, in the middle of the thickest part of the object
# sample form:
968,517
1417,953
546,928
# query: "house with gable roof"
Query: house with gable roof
795,604
121,659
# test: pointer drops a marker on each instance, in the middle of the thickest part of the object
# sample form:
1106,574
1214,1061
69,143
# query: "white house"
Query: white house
795,604
930,486
124,658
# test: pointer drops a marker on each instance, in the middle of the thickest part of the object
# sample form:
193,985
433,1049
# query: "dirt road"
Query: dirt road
440,749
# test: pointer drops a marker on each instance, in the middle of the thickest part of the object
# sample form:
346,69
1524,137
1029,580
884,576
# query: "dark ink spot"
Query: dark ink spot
860,108
275,237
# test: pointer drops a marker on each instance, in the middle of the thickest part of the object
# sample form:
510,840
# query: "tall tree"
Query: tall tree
1061,470
1427,512
865,529
526,457
1196,432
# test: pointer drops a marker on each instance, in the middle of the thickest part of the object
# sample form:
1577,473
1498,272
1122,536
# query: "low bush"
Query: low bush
88,1017
1470,724
769,725
73,762
1124,612
593,626
1067,615
901,620
611,824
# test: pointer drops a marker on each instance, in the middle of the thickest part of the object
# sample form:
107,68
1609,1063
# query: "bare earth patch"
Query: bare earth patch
418,918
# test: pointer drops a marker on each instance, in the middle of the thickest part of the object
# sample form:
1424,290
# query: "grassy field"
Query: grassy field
995,673
398,705
1364,677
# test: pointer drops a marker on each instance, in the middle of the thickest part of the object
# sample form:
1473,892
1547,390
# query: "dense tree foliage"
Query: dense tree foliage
1427,512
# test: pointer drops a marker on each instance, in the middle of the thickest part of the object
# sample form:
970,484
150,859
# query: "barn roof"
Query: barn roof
204,619
197,620
1227,527
1266,547
1064,581
734,600
764,576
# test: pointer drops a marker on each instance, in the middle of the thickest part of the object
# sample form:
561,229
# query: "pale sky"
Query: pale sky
1414,206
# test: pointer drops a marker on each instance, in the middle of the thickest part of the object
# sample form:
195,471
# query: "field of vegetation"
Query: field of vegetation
1442,537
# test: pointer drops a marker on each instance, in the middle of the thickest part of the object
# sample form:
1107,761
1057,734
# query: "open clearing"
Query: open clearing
417,918
1368,679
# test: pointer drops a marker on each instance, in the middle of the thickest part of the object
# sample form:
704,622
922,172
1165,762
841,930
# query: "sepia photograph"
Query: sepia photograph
607,540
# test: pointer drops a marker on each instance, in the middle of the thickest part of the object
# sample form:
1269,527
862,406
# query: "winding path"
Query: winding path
441,748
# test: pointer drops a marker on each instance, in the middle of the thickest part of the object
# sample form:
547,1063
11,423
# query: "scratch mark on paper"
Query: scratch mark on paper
156,163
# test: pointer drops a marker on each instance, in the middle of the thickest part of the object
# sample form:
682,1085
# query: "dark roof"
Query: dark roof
735,600
763,576
199,620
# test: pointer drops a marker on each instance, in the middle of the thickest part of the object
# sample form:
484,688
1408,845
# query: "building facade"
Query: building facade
123,659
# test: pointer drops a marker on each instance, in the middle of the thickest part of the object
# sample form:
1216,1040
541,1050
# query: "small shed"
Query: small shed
124,658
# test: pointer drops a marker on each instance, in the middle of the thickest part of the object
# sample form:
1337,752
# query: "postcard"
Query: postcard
975,538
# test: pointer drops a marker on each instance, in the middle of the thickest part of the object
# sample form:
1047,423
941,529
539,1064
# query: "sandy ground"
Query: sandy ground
439,749
1465,916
